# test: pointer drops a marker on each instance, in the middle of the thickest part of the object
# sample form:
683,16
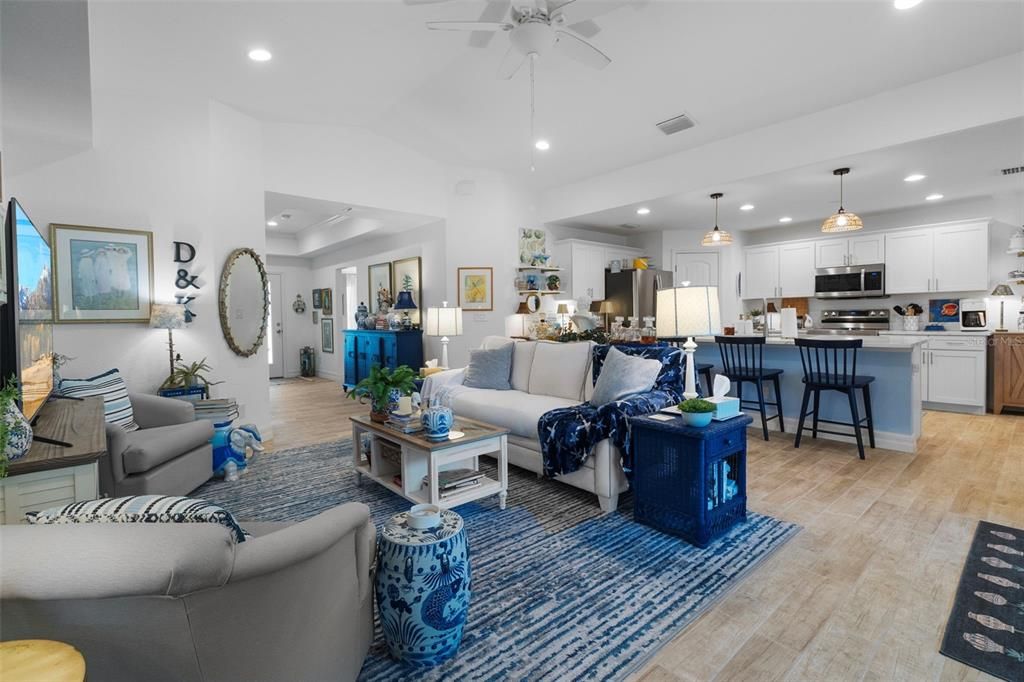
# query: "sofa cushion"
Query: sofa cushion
117,408
513,410
140,509
522,363
559,369
149,448
624,375
492,342
490,368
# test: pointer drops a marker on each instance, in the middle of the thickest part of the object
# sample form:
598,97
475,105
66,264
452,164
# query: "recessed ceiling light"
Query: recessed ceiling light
785,219
542,145
905,4
260,54
933,197
914,177
747,207
643,211
271,223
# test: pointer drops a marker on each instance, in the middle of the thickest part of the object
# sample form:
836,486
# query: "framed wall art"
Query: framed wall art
326,301
407,275
379,286
317,299
476,289
327,335
101,274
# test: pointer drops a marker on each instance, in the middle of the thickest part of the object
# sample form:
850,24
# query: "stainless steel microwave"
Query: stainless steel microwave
850,281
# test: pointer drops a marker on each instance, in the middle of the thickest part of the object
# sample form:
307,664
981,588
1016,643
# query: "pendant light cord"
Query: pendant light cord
841,192
716,213
533,113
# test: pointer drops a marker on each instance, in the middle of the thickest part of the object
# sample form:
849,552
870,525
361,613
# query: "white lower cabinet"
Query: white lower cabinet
954,372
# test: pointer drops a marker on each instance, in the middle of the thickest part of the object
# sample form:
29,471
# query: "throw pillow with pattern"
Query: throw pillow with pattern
117,407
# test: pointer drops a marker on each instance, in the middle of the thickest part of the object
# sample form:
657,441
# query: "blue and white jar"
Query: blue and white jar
437,420
423,588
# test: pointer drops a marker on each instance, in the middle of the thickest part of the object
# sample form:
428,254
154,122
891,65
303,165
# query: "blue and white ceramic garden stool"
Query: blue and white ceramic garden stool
422,588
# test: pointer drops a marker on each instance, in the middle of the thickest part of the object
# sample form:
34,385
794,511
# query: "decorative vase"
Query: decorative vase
361,314
423,587
19,433
379,416
697,419
437,420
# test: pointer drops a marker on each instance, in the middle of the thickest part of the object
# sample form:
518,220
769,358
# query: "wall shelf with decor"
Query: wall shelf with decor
539,268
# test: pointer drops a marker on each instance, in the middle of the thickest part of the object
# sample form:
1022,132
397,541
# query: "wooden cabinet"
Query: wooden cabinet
796,269
1006,372
761,272
365,348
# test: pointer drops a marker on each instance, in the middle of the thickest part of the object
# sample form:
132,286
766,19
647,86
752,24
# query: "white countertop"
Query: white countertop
950,332
888,342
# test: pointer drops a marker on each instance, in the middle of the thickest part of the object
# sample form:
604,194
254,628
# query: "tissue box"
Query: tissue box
427,371
725,407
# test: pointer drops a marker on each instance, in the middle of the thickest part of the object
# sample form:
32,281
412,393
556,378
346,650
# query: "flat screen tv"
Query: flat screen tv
26,330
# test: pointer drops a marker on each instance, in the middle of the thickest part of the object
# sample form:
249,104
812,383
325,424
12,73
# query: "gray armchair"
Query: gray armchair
182,602
170,454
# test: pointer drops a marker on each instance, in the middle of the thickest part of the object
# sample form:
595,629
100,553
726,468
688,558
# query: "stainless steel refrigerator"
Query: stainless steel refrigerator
633,292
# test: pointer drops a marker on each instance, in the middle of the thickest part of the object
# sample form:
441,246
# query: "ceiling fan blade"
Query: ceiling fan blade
510,63
468,26
494,11
580,50
586,28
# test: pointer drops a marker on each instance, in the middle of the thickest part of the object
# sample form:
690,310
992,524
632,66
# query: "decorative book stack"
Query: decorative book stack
217,410
455,481
409,423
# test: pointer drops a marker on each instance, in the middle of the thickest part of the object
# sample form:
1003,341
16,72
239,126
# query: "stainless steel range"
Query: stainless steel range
852,322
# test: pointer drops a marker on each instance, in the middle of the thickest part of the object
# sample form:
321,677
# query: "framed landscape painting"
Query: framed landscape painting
379,281
327,301
317,300
476,289
407,275
327,334
101,274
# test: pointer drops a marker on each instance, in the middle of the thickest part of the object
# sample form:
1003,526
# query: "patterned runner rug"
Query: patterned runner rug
560,591
986,626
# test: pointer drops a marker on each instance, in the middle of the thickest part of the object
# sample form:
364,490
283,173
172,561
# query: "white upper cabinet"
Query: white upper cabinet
960,258
868,249
761,272
830,253
796,269
588,271
908,261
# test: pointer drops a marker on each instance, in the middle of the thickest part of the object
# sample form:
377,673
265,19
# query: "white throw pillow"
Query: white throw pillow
522,363
559,369
492,342
624,375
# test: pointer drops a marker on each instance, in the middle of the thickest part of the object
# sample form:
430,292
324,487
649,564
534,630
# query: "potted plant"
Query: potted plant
188,375
383,388
553,282
696,412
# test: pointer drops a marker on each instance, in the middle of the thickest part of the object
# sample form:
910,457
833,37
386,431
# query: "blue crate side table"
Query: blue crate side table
690,482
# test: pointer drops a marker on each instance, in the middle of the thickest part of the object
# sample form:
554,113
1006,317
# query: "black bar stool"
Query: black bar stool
831,365
704,370
743,361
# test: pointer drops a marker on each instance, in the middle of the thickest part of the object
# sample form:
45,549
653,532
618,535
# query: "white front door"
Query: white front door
275,330
699,268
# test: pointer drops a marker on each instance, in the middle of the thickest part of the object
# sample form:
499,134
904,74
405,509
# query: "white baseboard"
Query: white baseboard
901,442
950,407
333,376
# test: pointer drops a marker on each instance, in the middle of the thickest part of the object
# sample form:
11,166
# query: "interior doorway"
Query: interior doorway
699,268
275,327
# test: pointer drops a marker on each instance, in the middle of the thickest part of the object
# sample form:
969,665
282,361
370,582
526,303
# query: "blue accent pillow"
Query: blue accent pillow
140,509
490,368
117,407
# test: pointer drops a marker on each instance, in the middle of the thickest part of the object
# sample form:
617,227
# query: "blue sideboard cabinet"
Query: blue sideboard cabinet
365,348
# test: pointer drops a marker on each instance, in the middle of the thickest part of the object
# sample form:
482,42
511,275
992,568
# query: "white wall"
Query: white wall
186,170
730,262
298,328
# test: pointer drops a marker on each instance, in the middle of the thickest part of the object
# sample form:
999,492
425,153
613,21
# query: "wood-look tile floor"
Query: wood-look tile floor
863,592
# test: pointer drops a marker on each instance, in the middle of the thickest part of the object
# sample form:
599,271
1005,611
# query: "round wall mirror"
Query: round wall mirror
244,302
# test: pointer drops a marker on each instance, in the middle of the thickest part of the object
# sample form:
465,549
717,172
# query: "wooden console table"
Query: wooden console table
51,475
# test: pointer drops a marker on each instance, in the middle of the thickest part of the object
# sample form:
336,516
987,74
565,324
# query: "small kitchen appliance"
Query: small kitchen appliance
850,281
973,315
852,322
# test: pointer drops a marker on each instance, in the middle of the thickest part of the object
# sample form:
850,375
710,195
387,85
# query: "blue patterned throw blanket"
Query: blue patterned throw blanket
568,435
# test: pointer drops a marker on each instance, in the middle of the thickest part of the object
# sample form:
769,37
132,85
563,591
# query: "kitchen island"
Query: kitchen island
894,361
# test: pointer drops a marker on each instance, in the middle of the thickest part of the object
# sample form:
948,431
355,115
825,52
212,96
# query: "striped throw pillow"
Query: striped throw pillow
117,408
140,509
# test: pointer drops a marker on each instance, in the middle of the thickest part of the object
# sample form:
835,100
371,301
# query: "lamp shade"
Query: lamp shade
167,316
523,309
443,322
517,326
688,311
1002,290
563,309
606,308
404,301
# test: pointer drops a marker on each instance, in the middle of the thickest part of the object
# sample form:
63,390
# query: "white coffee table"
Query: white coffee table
422,457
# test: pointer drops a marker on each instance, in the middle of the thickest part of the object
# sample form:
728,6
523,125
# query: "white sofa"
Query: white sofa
545,375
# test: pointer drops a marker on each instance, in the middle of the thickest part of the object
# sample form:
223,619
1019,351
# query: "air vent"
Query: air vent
1012,171
628,226
674,125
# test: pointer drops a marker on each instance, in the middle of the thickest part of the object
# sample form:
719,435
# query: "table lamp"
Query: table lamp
563,310
1002,291
444,322
169,316
605,309
686,312
405,304
517,325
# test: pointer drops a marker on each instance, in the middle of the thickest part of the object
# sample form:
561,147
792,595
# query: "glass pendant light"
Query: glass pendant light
842,220
716,237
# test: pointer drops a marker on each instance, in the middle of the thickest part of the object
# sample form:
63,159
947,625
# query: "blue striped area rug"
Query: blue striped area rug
560,591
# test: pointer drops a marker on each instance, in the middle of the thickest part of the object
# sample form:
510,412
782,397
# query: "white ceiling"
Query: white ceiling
958,166
733,66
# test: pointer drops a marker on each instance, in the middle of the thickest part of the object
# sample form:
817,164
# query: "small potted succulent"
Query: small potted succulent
696,412
383,388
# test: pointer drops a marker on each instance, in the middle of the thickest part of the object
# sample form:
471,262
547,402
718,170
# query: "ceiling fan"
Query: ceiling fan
535,27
